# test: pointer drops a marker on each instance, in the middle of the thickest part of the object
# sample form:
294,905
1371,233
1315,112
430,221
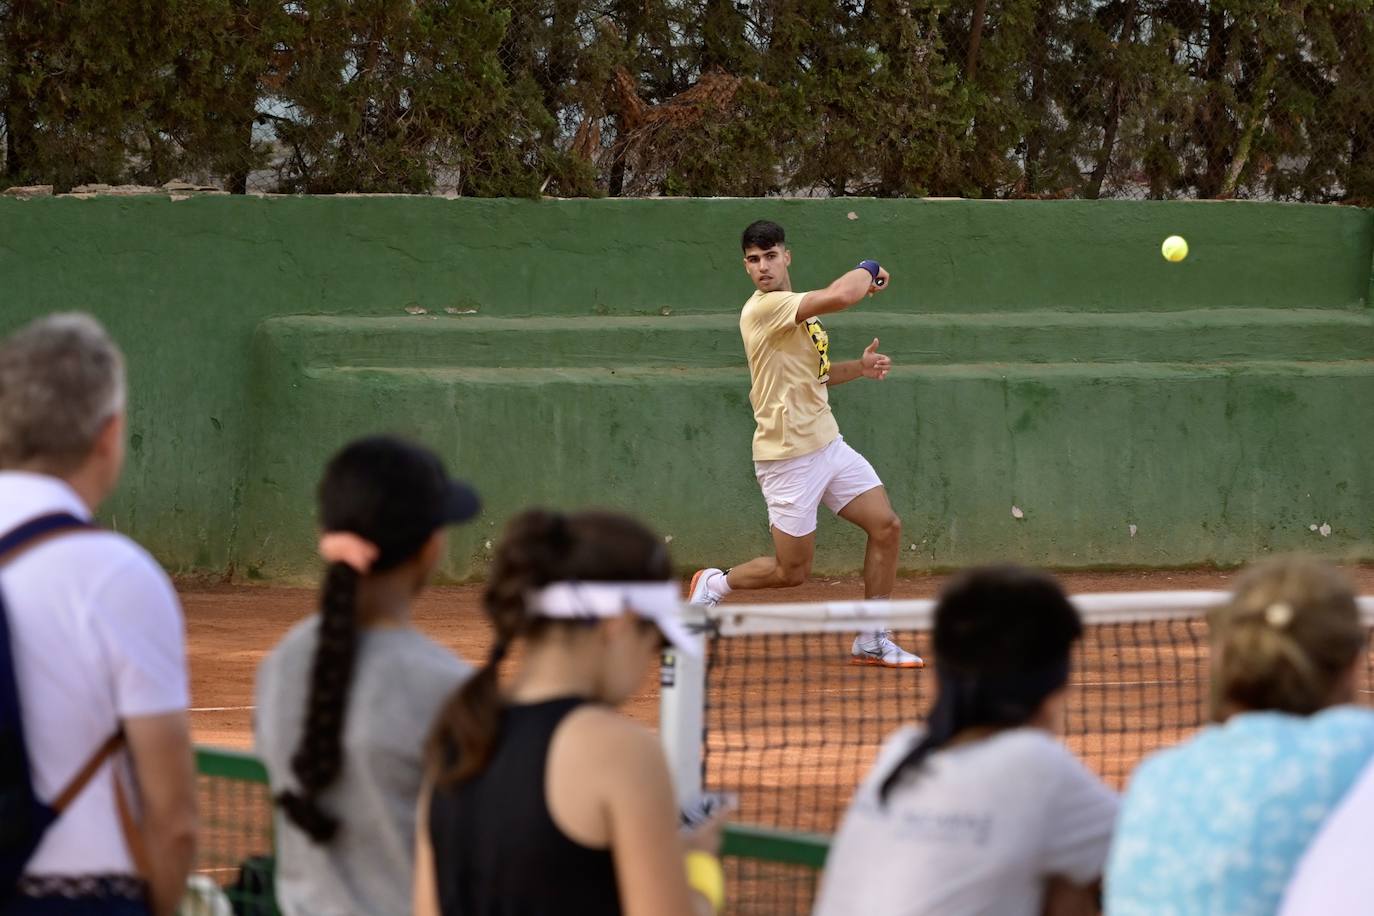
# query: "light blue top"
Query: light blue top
1217,824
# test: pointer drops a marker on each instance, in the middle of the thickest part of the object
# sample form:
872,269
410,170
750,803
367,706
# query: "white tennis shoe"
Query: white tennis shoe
877,648
698,593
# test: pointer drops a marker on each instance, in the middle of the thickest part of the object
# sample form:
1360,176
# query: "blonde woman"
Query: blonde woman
1218,824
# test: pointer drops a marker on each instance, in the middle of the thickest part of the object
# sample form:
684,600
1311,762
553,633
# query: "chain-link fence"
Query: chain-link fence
980,98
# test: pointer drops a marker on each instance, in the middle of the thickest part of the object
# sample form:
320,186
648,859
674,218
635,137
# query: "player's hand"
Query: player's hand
879,282
875,365
706,836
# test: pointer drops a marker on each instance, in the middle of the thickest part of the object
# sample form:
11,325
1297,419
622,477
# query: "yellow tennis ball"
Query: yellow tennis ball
1174,248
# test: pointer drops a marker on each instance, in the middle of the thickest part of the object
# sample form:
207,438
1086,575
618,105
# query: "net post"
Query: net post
681,710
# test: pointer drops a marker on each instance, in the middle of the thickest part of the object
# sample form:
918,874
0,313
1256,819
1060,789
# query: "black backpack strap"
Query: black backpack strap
35,531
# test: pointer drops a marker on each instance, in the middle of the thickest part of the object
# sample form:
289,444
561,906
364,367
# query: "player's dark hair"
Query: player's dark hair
538,548
762,234
1003,635
383,490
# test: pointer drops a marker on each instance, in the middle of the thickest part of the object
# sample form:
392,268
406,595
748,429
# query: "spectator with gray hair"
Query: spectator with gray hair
96,638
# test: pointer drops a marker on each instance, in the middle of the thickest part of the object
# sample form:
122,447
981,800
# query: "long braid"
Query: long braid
380,501
319,757
467,730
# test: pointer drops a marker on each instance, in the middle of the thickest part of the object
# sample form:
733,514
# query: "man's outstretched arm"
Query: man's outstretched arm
872,365
846,291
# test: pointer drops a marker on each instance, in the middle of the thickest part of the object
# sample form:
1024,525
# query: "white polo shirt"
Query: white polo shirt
98,638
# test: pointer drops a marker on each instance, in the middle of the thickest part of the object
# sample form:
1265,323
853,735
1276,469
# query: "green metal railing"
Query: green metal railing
237,848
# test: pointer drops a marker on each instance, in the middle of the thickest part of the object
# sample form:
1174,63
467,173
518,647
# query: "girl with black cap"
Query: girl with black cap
345,701
983,810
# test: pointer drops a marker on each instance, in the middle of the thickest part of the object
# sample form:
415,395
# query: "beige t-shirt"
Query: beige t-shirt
789,364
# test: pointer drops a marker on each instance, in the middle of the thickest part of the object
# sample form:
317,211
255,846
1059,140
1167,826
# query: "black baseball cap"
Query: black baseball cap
392,492
460,503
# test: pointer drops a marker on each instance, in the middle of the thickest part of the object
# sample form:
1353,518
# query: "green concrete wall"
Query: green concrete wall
581,352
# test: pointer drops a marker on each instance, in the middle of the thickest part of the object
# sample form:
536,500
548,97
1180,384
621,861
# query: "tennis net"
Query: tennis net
235,843
775,714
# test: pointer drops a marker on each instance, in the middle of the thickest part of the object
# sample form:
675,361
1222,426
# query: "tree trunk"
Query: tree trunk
717,37
18,142
1253,119
975,39
616,182
237,180
975,42
1214,119
1035,138
367,83
1111,119
20,164
1359,49
563,52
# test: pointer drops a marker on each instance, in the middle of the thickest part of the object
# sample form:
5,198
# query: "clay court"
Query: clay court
230,628
791,728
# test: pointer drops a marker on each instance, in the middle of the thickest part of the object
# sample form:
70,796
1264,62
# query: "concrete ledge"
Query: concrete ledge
1135,464
711,341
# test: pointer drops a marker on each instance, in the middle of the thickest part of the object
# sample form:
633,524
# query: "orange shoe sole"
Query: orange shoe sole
692,587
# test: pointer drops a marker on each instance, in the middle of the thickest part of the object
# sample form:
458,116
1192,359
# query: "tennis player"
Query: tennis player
800,458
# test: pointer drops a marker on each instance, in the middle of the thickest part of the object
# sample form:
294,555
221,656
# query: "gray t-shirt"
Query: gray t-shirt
976,829
400,681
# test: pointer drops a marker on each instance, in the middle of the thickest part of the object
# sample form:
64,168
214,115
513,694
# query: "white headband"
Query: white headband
660,602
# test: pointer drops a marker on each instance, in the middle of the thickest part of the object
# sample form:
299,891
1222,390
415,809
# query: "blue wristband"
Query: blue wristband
872,267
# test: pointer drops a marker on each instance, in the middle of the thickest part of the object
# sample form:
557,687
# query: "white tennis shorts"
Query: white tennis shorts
793,488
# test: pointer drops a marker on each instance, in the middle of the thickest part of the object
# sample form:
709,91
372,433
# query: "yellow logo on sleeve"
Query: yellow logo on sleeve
821,341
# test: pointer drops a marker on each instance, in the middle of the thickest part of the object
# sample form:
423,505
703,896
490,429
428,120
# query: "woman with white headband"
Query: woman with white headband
543,798
1218,824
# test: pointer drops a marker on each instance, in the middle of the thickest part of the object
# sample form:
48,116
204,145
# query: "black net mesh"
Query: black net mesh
792,727
235,837
756,886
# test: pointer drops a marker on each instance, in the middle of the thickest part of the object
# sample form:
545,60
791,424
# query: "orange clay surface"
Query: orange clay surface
230,628
790,725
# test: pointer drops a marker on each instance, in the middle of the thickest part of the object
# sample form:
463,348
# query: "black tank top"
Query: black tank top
497,851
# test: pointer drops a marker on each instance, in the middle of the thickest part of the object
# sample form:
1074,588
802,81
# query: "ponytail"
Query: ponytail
531,555
319,756
978,699
1003,636
474,719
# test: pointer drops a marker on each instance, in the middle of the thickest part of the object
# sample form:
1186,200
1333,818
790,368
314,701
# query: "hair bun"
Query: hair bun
1279,614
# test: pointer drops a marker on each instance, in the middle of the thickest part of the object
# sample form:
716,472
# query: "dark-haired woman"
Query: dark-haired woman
983,811
345,702
545,799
